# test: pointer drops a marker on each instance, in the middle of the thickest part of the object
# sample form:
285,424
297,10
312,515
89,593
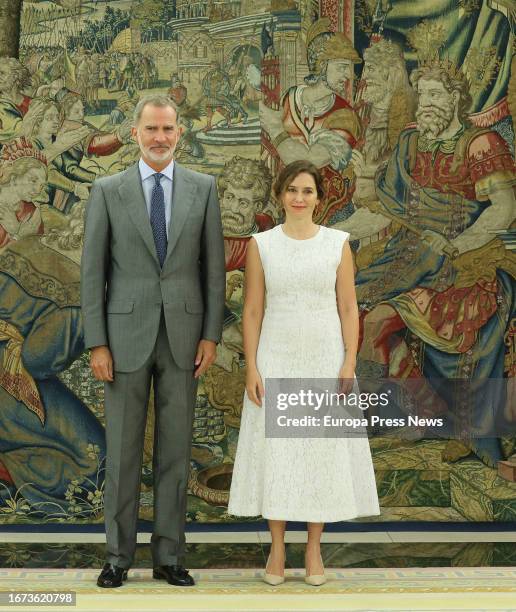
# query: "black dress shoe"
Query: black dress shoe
111,576
173,574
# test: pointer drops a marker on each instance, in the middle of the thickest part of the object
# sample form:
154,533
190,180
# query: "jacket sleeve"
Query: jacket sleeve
213,269
94,269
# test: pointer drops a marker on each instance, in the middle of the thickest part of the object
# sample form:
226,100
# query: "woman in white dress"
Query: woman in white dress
300,320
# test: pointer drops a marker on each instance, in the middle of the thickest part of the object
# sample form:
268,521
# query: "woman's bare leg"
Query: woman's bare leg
276,563
313,562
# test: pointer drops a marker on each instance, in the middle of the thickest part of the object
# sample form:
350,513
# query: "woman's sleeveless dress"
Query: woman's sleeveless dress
300,479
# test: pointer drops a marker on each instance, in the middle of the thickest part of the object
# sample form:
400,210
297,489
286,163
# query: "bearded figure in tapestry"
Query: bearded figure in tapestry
442,278
244,187
385,102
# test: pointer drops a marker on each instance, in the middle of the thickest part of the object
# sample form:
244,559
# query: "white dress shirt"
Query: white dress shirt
147,178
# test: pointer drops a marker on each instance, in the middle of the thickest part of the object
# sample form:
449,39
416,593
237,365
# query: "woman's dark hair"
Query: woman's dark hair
289,173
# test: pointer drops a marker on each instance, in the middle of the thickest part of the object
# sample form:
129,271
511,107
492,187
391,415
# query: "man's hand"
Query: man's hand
337,146
206,355
101,363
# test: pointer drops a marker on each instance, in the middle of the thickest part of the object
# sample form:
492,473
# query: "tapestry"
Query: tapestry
360,88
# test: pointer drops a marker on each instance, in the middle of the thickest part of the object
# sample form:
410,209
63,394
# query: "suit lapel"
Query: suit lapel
183,191
131,192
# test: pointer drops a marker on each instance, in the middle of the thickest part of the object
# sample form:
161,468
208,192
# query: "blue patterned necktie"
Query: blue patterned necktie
157,218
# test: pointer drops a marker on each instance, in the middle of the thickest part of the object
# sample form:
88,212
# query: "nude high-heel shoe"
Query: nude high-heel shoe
316,579
272,579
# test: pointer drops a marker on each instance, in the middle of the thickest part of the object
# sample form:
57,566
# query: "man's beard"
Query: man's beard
433,120
339,87
234,224
376,144
374,93
159,157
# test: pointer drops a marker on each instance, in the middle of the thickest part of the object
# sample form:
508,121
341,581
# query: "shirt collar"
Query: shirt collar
146,170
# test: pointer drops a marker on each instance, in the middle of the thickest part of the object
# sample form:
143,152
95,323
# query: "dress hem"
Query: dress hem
302,519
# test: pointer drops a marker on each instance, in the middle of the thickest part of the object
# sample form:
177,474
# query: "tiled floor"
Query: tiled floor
365,590
368,572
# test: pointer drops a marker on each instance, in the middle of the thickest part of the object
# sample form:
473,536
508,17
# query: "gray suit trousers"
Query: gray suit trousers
126,401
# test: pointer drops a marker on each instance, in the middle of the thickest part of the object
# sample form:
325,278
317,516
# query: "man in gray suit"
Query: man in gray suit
152,288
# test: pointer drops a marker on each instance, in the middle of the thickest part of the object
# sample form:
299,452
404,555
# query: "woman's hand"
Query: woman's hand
346,377
254,386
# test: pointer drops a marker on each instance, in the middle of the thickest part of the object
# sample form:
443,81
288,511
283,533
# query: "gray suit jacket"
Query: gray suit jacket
123,288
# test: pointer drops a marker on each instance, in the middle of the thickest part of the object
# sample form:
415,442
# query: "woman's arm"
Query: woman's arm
254,300
348,313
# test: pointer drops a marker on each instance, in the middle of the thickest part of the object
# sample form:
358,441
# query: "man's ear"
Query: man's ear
133,134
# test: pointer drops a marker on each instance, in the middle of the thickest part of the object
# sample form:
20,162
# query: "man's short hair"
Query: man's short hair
160,100
246,174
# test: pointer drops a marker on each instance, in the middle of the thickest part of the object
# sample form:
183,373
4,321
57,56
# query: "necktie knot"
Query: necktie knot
157,178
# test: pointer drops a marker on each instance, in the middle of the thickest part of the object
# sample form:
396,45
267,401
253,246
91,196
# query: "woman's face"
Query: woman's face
50,121
300,197
31,184
76,112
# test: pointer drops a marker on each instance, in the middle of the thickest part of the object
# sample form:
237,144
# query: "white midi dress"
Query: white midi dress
300,479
